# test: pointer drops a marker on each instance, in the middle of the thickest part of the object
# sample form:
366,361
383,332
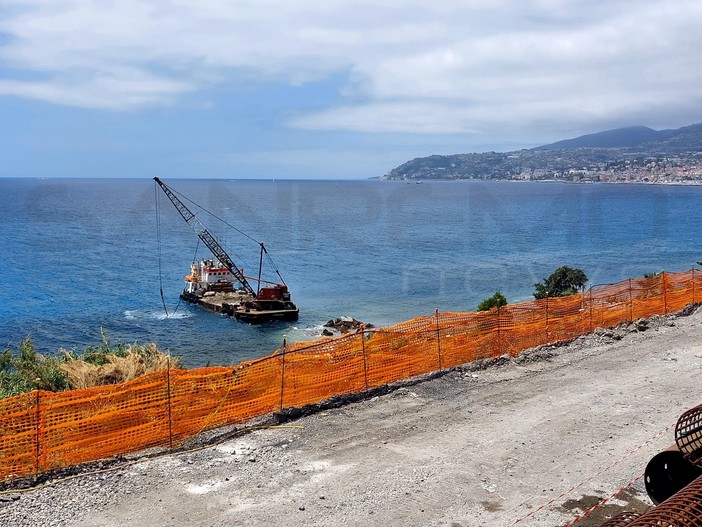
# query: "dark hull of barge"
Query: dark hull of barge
261,316
252,314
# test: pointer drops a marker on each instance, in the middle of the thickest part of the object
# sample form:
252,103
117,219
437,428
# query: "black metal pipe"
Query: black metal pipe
667,473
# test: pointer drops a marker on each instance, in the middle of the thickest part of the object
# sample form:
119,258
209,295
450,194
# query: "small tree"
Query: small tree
563,281
496,300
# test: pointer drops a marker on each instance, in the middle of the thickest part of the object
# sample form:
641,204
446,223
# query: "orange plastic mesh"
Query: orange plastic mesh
320,371
392,356
566,318
84,425
523,326
696,285
609,305
465,337
207,398
648,297
678,287
40,431
19,427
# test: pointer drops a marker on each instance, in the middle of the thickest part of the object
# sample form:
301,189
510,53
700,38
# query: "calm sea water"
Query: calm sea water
81,255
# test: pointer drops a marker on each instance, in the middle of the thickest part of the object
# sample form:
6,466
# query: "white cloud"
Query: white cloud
482,67
118,89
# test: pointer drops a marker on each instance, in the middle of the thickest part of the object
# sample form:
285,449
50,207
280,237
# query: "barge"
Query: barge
218,285
211,286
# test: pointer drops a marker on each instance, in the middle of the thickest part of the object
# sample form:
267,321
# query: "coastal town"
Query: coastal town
574,167
684,169
675,160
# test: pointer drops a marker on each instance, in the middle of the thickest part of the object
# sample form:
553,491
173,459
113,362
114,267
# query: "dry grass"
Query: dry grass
25,370
133,361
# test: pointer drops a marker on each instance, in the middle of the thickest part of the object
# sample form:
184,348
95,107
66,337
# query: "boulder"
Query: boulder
344,325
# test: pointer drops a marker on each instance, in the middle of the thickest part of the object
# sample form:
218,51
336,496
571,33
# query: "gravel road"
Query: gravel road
482,445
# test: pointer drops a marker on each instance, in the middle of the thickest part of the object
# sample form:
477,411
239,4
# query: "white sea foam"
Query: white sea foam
310,330
178,315
136,314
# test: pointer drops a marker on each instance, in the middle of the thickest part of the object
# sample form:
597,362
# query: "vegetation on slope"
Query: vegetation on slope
564,281
496,300
99,365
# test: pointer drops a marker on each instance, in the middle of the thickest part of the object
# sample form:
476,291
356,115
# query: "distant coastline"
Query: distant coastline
695,183
617,156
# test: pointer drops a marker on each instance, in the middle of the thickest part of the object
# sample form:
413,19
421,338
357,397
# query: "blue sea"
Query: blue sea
83,256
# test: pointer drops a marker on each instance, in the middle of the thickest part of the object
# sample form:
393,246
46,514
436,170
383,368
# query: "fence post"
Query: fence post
591,328
693,284
547,336
438,335
665,294
363,350
168,395
631,303
37,454
499,336
282,376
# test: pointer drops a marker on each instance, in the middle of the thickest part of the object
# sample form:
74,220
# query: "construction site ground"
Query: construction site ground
540,438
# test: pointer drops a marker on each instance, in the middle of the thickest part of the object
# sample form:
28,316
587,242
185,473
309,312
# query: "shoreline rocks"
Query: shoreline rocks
343,325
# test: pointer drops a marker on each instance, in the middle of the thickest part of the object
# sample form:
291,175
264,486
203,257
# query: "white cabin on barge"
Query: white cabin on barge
208,275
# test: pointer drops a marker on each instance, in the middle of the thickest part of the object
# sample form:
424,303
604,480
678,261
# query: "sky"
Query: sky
342,89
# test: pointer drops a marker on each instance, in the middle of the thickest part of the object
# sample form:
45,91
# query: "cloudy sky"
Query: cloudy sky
336,89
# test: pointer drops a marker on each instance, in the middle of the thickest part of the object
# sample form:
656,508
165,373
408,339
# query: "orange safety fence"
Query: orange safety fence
41,431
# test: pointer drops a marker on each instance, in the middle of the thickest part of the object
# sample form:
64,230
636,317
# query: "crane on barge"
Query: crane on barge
208,278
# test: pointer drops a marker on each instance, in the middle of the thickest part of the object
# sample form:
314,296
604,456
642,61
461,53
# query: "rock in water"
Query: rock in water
345,324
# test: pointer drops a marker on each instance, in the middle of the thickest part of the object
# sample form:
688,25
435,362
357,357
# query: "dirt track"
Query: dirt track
475,447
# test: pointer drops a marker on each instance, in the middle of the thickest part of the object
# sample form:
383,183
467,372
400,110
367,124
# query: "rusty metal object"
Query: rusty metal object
684,509
621,520
668,472
688,435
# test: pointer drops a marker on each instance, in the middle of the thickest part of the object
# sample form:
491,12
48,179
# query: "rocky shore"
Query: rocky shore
343,325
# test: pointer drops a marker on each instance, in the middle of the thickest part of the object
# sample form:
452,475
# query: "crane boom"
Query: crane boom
210,241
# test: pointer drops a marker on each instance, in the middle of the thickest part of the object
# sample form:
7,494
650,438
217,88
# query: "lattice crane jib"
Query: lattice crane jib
206,236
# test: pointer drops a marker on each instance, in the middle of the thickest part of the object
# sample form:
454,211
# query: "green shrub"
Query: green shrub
496,300
563,281
28,370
